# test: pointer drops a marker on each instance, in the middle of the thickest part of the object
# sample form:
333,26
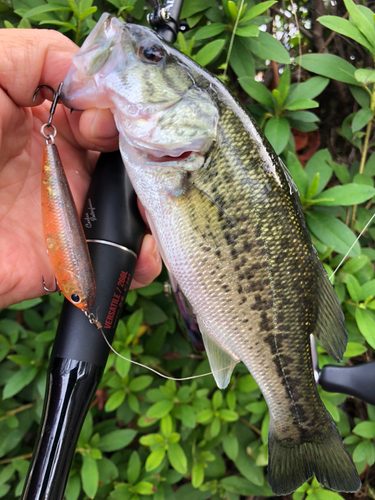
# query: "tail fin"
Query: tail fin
290,466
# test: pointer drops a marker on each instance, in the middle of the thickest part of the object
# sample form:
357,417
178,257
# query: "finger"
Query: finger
148,263
95,129
31,58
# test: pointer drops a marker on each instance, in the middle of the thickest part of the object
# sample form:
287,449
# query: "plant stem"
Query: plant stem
232,38
364,150
78,32
10,460
15,411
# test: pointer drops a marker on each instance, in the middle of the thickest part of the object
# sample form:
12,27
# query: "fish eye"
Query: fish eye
151,53
75,298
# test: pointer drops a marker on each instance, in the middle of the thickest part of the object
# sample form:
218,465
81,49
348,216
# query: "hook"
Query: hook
56,97
57,289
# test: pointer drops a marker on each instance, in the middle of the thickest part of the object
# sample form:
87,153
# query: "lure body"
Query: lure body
65,240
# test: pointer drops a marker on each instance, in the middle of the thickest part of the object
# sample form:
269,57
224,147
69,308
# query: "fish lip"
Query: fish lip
168,158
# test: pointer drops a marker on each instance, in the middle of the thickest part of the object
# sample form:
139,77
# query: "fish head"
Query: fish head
149,86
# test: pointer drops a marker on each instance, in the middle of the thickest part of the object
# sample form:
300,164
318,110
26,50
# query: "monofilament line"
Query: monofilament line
347,253
151,369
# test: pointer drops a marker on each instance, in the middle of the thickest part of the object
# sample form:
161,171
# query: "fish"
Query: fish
66,243
230,228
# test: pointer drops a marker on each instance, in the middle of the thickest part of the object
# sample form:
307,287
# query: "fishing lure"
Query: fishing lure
66,244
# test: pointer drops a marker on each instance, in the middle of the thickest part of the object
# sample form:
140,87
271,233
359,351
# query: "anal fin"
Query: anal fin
221,361
330,329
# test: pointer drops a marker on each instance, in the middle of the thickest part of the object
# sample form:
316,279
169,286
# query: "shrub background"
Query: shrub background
147,438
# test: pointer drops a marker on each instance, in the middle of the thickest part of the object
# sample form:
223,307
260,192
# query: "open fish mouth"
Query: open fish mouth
169,158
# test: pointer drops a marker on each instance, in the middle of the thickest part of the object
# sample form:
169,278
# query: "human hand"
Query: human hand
31,58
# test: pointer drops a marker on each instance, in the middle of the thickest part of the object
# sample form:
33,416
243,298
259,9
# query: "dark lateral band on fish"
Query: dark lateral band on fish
236,242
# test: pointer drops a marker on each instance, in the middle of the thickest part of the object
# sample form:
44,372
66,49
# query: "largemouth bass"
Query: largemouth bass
230,228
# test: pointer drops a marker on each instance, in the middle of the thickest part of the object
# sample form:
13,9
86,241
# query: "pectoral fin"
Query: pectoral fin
221,361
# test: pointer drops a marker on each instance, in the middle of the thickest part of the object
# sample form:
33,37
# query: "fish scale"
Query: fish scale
228,222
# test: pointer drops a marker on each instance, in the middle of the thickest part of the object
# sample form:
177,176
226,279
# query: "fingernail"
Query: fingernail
103,125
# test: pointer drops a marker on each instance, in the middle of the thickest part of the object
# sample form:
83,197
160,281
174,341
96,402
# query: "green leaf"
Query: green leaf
228,415
313,188
318,164
205,416
353,287
246,384
340,171
361,21
309,89
298,173
241,59
257,91
346,28
350,194
73,488
155,459
186,414
256,11
160,409
151,439
209,52
365,429
333,233
368,289
365,76
177,458
19,380
166,426
63,24
265,46
277,132
116,440
41,9
230,445
232,8
140,383
89,476
193,6
354,265
354,349
115,400
366,326
26,304
144,488
301,104
217,400
361,118
330,66
247,31
321,494
360,95
134,323
197,475
123,365
364,451
209,31
304,116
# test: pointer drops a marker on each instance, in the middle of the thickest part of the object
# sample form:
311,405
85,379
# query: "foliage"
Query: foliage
149,438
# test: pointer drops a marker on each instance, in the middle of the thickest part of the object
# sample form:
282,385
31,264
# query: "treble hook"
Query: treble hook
56,97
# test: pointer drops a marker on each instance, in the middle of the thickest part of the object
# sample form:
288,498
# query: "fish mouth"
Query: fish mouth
169,158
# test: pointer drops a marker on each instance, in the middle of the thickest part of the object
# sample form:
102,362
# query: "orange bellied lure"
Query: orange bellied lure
65,239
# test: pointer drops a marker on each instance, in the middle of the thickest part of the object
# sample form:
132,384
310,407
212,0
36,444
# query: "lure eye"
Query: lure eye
151,53
75,298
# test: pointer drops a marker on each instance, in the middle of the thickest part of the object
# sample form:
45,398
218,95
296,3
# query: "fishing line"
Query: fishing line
151,369
347,253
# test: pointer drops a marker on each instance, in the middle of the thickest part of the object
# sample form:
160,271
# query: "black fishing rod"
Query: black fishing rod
114,231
